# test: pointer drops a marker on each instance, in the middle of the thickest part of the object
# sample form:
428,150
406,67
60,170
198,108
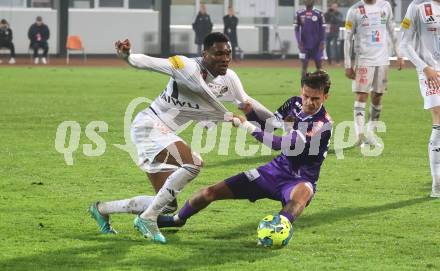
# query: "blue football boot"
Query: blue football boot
102,221
148,228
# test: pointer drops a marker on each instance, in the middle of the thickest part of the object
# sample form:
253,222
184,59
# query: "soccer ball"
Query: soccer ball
274,231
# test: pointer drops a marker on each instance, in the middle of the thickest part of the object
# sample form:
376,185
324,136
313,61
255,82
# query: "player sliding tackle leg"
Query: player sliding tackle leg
370,70
291,177
196,88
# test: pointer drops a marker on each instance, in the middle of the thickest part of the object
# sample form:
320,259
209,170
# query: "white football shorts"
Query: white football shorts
370,78
150,136
431,96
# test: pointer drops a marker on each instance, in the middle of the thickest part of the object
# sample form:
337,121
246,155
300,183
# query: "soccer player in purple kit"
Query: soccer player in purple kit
289,178
310,35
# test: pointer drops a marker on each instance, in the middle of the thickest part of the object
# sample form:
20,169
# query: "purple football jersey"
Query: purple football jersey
303,149
309,28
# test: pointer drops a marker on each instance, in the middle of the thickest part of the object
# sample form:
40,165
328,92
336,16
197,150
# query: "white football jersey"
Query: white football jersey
192,93
421,36
370,25
409,14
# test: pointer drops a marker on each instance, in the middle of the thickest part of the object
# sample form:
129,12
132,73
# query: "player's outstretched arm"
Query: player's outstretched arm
141,61
241,98
272,141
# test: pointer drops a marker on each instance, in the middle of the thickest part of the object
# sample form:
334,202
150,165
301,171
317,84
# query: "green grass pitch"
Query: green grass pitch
370,213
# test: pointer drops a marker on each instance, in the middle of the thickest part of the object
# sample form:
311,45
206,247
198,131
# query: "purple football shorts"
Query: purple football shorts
250,186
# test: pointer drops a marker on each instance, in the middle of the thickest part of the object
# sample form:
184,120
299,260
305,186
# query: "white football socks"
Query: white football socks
434,157
134,205
171,188
359,118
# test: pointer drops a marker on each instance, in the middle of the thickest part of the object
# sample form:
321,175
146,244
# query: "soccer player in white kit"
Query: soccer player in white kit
194,92
369,22
421,44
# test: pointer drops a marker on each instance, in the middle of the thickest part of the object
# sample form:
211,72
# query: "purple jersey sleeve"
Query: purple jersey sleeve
276,142
315,142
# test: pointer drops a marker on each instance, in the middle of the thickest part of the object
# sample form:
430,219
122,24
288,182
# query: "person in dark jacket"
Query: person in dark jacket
6,39
230,22
334,19
38,34
202,26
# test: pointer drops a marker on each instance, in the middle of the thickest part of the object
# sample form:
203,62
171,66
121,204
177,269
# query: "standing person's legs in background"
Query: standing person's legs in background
334,47
318,54
304,57
338,53
341,50
329,49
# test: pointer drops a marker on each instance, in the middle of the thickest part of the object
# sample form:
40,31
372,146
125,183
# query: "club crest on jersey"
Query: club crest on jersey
428,10
362,10
314,18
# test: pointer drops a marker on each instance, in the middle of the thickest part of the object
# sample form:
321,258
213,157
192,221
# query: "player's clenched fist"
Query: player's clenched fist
123,48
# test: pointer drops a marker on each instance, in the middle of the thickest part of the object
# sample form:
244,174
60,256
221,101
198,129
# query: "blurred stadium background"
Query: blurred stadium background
266,27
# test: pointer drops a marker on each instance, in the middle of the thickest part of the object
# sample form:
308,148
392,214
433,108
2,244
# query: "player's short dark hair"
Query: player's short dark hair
317,80
3,21
212,38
